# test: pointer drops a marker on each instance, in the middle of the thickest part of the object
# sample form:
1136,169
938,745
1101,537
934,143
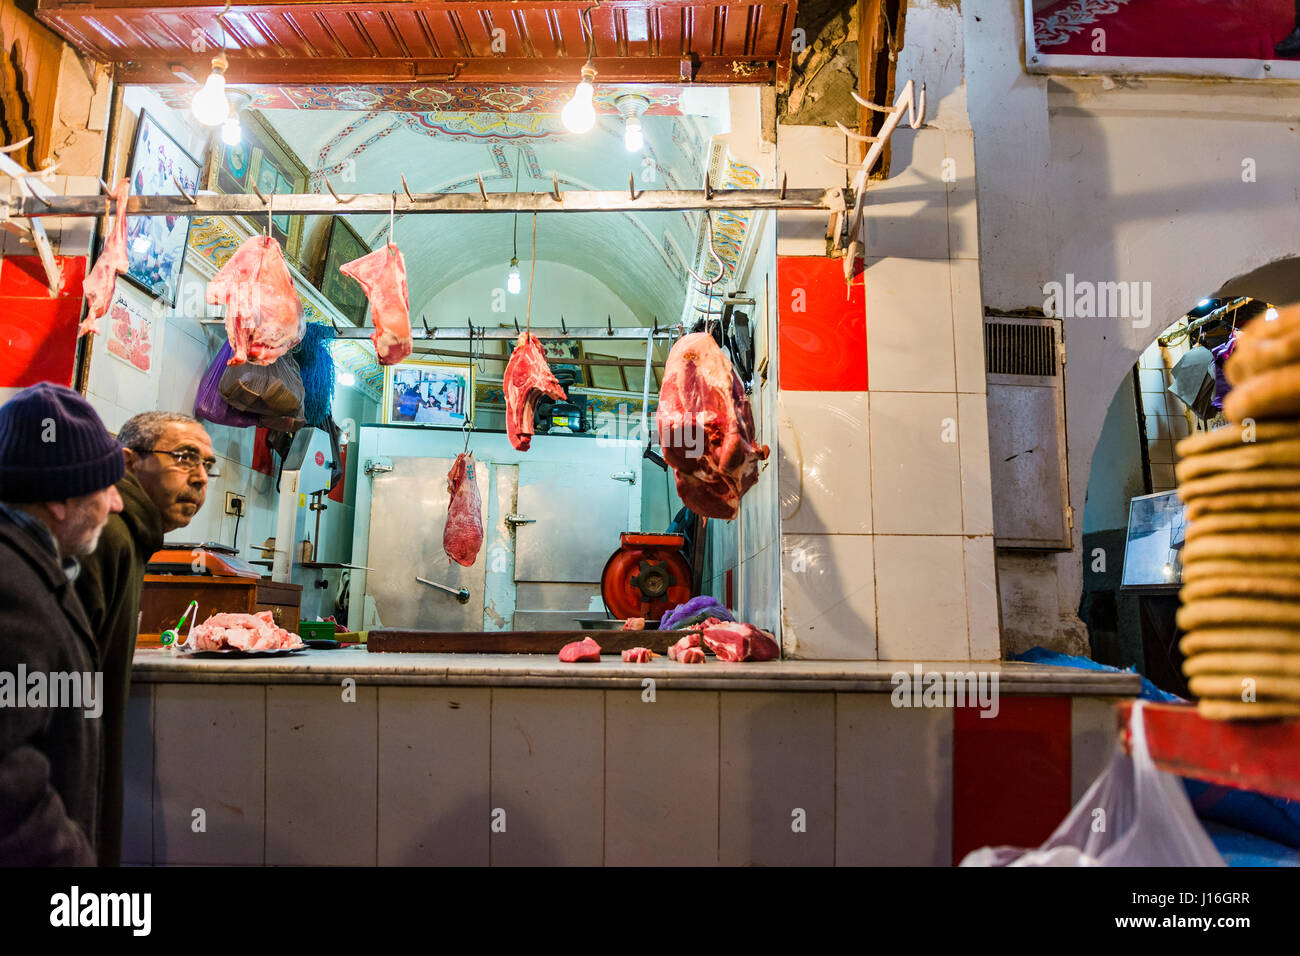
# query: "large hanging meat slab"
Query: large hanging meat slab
111,263
382,275
527,379
706,428
463,535
263,312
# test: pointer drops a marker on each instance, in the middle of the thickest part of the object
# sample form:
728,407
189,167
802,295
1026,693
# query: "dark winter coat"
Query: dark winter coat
49,756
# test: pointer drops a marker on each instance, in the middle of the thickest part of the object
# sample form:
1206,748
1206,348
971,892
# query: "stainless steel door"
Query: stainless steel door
577,513
408,511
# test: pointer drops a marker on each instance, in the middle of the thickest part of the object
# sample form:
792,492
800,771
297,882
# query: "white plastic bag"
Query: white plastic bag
1133,815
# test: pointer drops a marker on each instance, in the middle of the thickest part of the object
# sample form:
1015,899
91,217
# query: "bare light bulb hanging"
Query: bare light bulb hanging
210,105
579,114
630,107
512,282
632,137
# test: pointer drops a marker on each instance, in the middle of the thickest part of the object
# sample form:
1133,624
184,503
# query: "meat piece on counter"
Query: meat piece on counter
242,632
463,534
692,655
638,655
98,286
686,642
527,379
706,428
382,275
263,312
633,624
585,651
739,642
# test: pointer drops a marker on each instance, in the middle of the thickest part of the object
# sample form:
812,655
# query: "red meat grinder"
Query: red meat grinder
646,576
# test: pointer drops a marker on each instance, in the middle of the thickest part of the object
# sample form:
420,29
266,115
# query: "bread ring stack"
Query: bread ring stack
1241,560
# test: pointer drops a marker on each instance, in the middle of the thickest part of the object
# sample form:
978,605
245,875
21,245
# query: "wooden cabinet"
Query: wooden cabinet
166,596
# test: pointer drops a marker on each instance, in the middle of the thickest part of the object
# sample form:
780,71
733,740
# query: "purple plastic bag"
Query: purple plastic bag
209,404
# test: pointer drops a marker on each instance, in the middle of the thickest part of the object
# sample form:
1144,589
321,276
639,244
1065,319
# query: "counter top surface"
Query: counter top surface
158,665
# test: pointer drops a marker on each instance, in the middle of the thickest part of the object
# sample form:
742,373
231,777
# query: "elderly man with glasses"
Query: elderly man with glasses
168,460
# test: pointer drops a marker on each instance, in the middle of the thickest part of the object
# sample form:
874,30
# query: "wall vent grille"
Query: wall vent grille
1020,348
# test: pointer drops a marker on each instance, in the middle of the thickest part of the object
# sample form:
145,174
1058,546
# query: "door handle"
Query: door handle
514,520
461,594
628,476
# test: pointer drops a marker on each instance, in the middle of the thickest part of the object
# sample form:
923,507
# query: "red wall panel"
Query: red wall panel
822,326
38,334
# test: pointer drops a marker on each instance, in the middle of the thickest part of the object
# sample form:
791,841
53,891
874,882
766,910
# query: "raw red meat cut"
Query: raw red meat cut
527,379
263,312
706,428
463,534
692,655
633,624
242,632
382,275
584,651
98,286
686,642
739,642
638,655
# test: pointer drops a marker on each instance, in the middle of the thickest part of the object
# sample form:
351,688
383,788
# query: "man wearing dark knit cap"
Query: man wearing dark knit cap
58,467
168,459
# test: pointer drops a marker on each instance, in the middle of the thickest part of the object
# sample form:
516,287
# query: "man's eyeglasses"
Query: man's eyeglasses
188,459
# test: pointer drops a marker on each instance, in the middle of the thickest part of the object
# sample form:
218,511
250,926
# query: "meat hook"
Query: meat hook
259,193
192,201
430,333
466,428
856,137
17,146
406,190
785,177
563,328
708,188
609,324
555,186
270,206
631,187
518,331
713,253
334,194
108,190
392,213
481,188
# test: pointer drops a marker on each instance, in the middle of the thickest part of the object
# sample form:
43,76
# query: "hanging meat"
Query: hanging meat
527,379
463,535
706,428
112,260
382,275
263,313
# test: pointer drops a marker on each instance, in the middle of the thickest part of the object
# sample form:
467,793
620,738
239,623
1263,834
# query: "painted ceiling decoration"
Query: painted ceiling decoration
426,42
410,98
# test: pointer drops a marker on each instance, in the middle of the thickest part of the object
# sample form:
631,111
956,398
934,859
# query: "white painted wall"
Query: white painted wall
1138,180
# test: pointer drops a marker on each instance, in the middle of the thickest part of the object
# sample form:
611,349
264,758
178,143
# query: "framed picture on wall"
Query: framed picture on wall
422,392
262,159
606,376
342,246
557,350
155,245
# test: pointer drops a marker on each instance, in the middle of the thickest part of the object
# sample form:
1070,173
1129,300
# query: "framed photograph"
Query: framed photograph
129,335
428,393
262,159
155,245
606,376
342,246
556,351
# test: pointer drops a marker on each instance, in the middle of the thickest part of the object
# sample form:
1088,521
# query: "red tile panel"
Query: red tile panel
38,334
1010,773
822,326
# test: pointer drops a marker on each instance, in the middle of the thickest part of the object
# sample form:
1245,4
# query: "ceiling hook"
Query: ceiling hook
785,178
333,193
192,201
563,327
518,331
481,188
428,331
407,190
555,186
609,325
631,187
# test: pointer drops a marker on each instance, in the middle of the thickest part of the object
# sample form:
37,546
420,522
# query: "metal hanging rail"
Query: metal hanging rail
320,204
478,333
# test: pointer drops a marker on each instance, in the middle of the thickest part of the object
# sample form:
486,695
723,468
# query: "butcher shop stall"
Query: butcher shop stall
548,485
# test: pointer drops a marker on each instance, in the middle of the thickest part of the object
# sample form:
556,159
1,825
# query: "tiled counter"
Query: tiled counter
348,758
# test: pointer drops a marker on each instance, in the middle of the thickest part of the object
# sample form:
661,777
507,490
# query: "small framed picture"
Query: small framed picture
421,392
606,376
342,246
155,245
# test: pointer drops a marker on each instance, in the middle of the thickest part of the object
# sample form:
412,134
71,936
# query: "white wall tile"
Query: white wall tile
893,783
907,214
210,755
661,778
825,463
548,771
828,592
778,758
921,598
910,325
963,220
967,325
982,598
915,471
976,480
321,764
801,154
433,776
